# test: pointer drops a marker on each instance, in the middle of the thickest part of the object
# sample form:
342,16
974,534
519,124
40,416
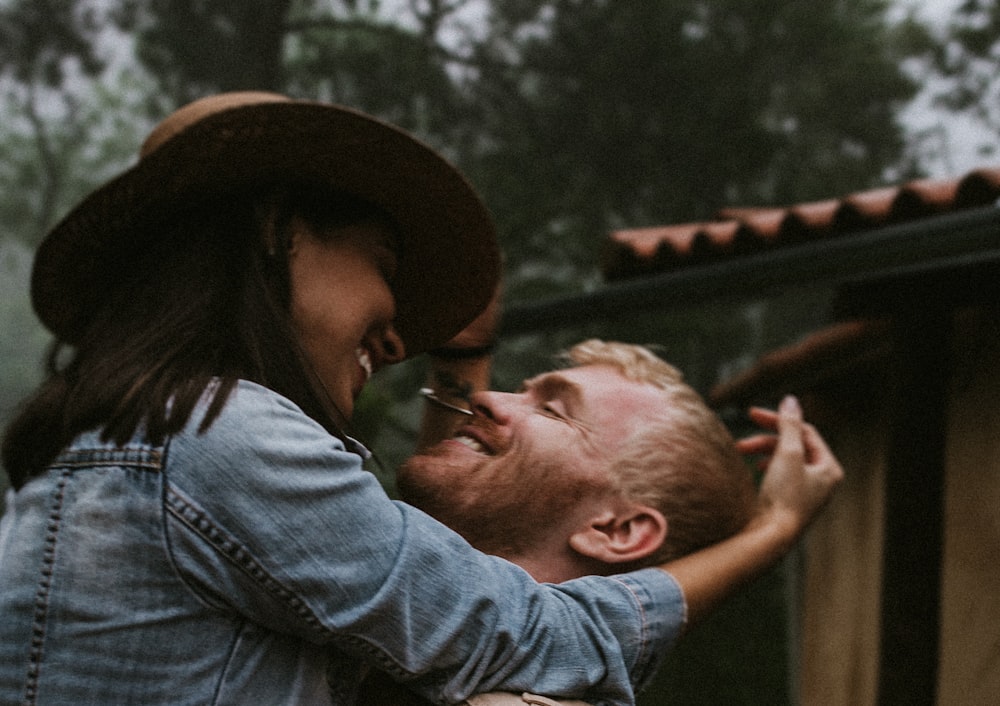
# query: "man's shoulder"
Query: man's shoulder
498,698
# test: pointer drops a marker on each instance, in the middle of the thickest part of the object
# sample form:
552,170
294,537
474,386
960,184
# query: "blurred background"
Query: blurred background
573,118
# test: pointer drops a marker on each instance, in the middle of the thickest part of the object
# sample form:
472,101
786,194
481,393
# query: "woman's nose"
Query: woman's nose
389,346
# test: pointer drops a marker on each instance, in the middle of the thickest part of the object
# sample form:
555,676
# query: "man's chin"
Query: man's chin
410,479
419,496
424,480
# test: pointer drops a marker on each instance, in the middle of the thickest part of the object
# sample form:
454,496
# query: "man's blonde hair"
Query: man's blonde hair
682,460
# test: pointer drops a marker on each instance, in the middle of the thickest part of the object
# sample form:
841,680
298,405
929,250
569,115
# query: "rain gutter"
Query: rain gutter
929,245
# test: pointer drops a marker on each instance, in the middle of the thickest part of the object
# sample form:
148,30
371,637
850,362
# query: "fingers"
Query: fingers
802,443
787,421
762,417
759,444
790,433
819,458
801,471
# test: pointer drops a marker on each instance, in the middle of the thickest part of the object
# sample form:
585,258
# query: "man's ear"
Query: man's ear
627,534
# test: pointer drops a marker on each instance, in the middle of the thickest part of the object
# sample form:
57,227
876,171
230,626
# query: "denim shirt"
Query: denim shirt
258,562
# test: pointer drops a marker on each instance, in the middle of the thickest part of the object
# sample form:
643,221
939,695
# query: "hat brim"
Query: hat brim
450,262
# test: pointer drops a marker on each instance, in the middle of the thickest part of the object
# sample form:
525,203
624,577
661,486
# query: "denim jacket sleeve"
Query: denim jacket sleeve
271,519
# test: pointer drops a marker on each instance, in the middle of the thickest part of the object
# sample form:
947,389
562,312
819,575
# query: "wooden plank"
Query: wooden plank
969,672
911,588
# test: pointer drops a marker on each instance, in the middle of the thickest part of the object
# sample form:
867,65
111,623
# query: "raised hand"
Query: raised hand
801,472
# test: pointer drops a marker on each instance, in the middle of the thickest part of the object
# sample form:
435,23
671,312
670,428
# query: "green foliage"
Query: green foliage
970,60
376,66
59,145
635,113
69,105
41,41
194,48
23,341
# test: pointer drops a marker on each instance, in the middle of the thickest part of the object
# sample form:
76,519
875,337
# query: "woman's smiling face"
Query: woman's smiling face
342,306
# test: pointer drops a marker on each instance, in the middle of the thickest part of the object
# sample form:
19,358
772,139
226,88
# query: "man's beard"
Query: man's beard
492,519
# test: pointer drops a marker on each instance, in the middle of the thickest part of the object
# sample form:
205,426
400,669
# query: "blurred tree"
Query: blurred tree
23,340
608,113
354,52
194,47
69,118
574,116
969,60
69,122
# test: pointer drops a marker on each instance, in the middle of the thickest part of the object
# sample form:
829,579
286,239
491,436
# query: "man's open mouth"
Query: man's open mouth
473,444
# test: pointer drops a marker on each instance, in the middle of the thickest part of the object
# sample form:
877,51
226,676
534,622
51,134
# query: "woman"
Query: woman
191,521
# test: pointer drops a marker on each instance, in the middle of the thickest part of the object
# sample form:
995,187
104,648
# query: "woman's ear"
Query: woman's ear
628,534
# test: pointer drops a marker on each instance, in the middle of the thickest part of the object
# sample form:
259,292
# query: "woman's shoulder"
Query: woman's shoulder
258,443
254,421
250,405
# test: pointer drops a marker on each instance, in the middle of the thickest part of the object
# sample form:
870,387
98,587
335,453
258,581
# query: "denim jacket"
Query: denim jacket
257,562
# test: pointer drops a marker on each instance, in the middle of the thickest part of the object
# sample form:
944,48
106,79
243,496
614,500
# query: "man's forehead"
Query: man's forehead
555,379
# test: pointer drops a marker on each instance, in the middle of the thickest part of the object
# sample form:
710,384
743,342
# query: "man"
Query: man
594,469
603,467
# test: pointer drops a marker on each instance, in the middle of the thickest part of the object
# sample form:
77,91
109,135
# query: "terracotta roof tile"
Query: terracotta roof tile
741,230
815,216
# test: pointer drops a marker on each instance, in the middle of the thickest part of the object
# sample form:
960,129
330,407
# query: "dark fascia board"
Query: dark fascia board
935,244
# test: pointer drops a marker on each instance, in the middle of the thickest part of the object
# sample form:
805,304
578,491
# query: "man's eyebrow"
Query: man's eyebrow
555,385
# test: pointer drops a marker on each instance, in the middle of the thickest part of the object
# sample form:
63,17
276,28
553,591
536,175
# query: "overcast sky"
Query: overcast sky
960,141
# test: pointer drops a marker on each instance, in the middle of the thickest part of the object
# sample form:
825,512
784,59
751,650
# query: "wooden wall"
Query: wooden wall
969,672
841,597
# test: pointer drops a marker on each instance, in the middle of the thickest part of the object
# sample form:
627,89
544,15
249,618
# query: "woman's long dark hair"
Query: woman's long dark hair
206,299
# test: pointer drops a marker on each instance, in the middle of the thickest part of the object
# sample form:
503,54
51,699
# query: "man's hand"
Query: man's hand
800,476
801,473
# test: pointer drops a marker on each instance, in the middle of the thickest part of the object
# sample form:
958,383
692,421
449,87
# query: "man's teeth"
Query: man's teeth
365,361
471,443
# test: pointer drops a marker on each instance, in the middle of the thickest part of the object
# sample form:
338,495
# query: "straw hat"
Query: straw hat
450,263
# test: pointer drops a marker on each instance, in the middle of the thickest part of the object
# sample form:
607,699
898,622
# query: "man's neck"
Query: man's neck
555,566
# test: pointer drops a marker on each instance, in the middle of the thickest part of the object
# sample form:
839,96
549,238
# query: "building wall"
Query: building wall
840,590
842,582
969,673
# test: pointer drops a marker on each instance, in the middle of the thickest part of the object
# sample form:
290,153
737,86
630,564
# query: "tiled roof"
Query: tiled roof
735,231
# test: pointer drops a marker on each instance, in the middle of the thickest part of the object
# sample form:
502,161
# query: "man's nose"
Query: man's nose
498,407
